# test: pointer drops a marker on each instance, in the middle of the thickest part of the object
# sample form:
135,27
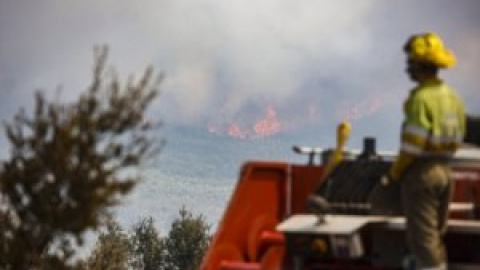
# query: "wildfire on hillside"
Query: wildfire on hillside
268,125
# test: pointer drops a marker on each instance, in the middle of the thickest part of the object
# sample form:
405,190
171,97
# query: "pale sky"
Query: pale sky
228,60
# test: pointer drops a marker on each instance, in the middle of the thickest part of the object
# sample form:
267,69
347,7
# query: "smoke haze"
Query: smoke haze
269,73
227,61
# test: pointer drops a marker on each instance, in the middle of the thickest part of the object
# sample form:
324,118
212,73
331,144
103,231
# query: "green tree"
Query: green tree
69,164
112,250
147,246
186,242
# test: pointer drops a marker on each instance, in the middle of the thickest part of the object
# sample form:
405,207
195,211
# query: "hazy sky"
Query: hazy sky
228,60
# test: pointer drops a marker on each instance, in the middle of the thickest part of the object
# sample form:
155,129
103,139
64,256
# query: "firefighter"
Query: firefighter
433,129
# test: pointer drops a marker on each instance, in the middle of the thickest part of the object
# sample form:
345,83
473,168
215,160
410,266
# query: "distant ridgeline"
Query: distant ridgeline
473,130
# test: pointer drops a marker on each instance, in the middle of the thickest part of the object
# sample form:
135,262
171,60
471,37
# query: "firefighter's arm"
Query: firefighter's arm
414,135
400,165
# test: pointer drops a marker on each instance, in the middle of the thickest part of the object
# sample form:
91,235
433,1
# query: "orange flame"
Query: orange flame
235,131
266,126
269,125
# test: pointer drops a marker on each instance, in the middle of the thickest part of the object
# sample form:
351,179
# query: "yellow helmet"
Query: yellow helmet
428,48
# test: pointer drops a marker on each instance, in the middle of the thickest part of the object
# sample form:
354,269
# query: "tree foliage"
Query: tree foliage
186,242
182,249
68,164
112,250
148,250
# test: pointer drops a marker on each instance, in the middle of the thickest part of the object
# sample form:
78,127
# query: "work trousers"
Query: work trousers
426,192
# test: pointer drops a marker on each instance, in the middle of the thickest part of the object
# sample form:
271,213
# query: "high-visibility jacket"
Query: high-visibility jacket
434,125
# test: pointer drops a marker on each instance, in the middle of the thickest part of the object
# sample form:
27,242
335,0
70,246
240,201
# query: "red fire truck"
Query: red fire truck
268,224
